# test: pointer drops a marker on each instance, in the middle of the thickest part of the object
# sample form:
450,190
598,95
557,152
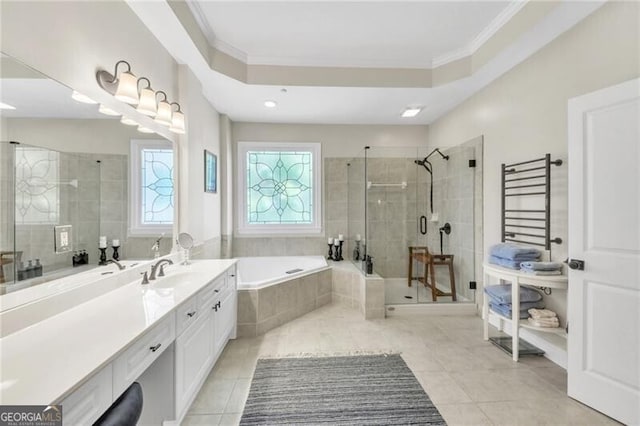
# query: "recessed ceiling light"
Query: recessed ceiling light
270,104
6,106
107,111
128,121
82,98
411,112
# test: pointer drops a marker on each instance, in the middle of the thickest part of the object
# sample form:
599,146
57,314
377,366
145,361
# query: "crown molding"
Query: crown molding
489,31
230,50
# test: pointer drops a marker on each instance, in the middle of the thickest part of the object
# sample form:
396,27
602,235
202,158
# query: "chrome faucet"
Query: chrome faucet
158,264
120,265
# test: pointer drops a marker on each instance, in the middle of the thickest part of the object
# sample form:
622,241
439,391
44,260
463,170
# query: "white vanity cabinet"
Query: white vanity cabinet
194,357
166,336
202,342
90,400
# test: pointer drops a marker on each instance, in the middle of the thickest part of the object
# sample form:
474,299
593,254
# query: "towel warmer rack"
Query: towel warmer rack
528,179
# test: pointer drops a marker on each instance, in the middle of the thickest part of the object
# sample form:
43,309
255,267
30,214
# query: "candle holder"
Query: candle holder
340,251
330,255
116,255
356,251
103,256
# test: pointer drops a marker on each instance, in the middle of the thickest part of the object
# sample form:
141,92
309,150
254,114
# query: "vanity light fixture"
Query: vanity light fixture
107,111
147,104
6,106
124,87
142,129
164,110
177,121
270,103
77,96
411,112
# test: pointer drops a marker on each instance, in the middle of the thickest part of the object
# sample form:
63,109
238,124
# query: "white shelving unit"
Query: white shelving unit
516,279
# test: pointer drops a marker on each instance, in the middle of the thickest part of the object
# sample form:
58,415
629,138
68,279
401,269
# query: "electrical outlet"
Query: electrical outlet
472,285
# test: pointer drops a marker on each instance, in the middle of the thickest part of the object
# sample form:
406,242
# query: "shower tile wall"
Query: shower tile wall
391,214
78,205
457,199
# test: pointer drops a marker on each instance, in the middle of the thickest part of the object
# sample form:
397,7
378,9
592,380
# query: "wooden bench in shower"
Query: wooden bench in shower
421,254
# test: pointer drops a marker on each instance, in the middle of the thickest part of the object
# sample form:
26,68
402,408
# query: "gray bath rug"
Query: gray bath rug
350,390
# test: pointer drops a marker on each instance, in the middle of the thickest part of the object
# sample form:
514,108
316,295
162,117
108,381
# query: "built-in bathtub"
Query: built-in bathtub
273,290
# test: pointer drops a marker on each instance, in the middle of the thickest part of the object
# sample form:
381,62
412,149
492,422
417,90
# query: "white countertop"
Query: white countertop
44,362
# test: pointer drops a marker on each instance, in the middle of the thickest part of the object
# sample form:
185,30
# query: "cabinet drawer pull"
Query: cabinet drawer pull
232,275
156,347
190,314
216,291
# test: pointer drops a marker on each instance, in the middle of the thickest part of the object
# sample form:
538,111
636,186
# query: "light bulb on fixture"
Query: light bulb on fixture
107,111
163,115
128,121
177,121
77,96
147,104
142,129
127,84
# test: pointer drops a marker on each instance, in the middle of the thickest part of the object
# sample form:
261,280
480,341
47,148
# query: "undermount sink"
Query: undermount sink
172,279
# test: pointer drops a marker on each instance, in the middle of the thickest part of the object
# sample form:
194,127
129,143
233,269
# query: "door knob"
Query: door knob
576,264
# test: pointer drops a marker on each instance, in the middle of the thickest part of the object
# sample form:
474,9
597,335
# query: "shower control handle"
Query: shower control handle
423,225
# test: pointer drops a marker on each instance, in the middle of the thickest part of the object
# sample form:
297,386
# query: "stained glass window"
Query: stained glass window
279,187
37,192
157,186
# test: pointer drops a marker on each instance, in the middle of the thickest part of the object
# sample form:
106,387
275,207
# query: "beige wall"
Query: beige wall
337,140
199,211
70,41
524,113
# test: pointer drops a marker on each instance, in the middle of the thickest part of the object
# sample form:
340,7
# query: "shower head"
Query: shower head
446,157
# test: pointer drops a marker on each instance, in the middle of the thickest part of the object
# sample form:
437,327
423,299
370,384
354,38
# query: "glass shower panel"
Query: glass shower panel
52,189
7,227
356,210
452,204
392,222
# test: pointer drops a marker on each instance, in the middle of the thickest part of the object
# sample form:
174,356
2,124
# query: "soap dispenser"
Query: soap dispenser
22,273
30,271
37,268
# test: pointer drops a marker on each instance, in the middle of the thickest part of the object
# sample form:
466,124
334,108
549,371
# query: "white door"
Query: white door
604,232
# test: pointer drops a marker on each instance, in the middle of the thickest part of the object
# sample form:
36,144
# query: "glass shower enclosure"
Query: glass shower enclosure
407,202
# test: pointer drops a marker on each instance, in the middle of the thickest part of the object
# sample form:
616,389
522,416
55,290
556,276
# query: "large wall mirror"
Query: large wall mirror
66,183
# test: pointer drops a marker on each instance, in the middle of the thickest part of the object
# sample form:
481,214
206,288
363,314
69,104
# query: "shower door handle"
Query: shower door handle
423,225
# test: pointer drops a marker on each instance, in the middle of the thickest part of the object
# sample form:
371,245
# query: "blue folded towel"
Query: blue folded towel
507,263
541,266
502,293
506,311
514,252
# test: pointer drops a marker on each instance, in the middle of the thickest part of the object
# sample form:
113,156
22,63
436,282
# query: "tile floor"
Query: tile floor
470,381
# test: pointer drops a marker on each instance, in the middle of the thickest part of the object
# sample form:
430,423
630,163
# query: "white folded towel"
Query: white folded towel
545,322
540,273
541,313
